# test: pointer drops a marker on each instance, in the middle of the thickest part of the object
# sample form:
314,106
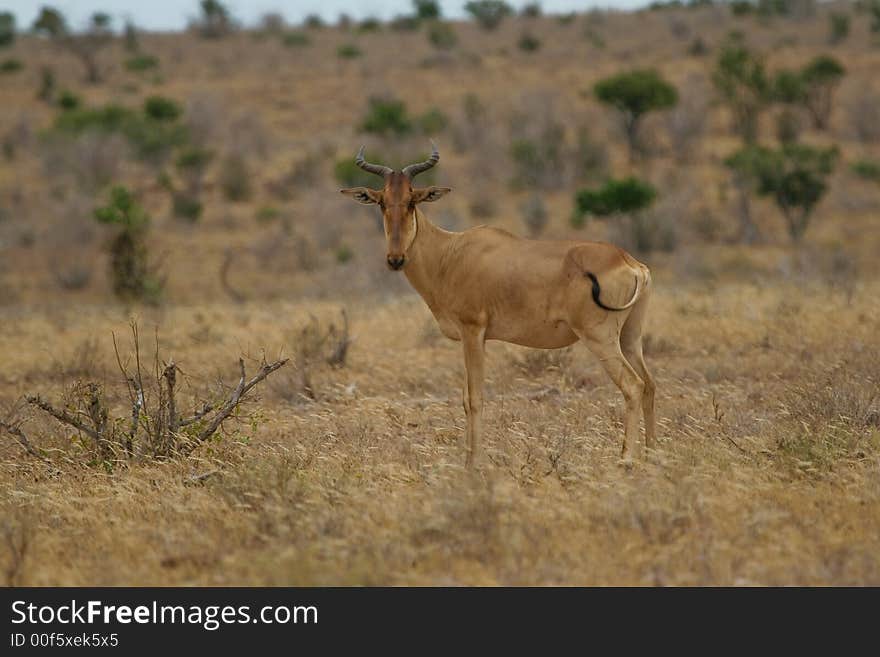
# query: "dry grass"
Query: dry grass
768,471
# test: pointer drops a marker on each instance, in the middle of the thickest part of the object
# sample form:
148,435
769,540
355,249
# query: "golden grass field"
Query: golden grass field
767,357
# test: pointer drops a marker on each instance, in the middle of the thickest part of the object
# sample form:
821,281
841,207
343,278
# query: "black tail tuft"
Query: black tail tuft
597,290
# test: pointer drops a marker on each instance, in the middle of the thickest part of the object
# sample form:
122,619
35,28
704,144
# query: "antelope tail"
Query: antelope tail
597,290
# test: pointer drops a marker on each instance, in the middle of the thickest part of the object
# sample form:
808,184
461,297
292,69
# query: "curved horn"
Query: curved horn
415,169
378,169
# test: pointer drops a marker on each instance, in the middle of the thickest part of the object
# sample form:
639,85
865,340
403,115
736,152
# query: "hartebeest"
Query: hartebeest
488,284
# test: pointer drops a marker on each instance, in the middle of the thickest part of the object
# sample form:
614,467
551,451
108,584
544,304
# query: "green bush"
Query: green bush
7,29
838,27
531,10
626,197
140,63
235,179
186,206
821,78
528,42
350,174
432,122
153,133
633,94
344,254
789,88
348,51
215,21
426,10
314,22
67,100
160,108
267,214
442,36
387,117
488,13
296,39
794,176
369,25
130,272
742,83
867,170
11,65
741,7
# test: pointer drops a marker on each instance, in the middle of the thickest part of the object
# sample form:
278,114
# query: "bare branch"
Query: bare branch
22,439
234,294
196,417
61,415
226,410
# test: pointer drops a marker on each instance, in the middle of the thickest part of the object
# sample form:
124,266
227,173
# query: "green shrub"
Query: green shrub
741,7
348,51
268,214
531,10
186,206
130,272
633,94
742,83
528,42
405,23
488,13
627,197
821,78
442,36
867,170
314,22
296,39
838,27
140,63
426,10
370,25
432,122
387,117
11,65
162,109
235,179
215,20
794,176
46,92
7,28
344,254
67,100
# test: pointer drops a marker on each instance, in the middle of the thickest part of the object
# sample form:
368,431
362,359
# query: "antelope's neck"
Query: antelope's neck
425,270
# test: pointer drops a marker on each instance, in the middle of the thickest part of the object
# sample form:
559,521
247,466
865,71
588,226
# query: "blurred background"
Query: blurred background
173,152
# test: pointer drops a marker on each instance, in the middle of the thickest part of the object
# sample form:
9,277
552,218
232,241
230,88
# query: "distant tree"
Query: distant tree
488,13
838,27
7,28
821,78
215,20
387,117
528,42
131,37
531,10
442,35
742,83
794,176
426,10
130,272
84,46
634,94
628,197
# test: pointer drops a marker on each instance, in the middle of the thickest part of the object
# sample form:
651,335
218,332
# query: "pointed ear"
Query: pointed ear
429,194
363,195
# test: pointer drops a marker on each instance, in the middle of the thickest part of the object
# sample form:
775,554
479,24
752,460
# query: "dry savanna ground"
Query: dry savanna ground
767,356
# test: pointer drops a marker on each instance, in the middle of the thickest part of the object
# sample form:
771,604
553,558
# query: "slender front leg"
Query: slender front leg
473,339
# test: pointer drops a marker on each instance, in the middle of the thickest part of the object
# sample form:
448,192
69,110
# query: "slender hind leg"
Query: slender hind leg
626,379
473,339
631,345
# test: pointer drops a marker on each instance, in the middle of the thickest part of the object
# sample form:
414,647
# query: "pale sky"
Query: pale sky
175,14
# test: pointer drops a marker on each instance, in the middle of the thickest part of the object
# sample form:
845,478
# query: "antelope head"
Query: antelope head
397,199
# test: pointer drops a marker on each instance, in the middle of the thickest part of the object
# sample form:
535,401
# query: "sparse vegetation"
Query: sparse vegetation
488,13
344,467
633,95
627,198
85,46
743,85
